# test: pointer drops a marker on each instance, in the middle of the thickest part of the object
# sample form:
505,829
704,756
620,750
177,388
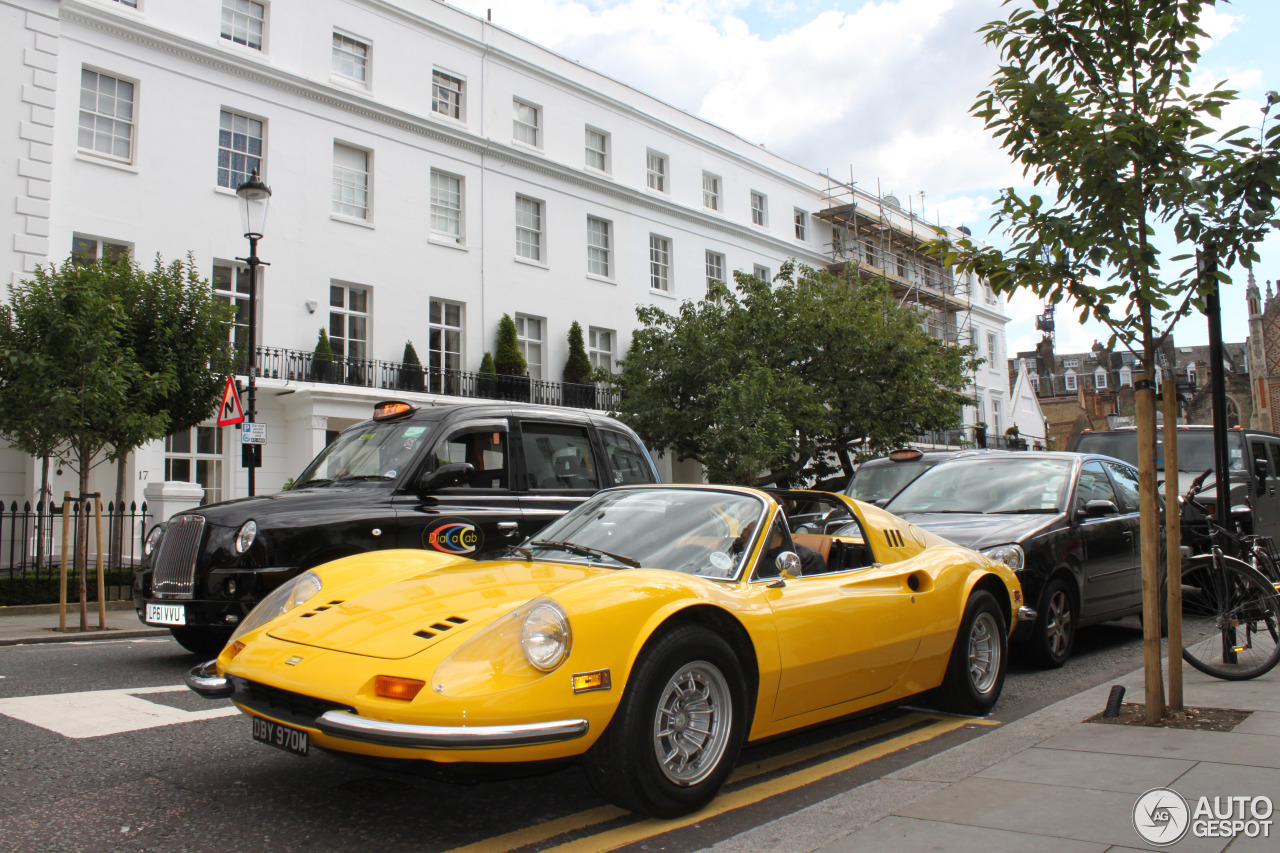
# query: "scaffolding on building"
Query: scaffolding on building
874,237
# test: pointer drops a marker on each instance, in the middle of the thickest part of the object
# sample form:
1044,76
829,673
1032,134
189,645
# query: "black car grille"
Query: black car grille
282,704
175,563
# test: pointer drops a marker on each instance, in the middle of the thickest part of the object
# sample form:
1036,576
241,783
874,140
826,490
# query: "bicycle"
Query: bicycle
1236,595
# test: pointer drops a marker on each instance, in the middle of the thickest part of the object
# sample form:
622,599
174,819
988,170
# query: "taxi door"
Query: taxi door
841,636
470,518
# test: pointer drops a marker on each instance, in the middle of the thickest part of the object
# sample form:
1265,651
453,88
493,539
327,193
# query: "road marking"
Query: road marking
936,725
103,712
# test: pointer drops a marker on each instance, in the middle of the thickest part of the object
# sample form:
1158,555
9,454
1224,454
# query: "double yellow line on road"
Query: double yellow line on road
911,729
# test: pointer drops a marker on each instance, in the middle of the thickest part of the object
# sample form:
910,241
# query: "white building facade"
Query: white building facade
430,173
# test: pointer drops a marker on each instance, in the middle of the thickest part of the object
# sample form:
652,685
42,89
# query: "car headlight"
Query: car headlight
245,536
518,648
1011,555
282,599
153,540
545,636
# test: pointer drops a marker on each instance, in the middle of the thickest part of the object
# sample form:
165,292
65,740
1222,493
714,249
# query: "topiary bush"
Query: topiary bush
509,361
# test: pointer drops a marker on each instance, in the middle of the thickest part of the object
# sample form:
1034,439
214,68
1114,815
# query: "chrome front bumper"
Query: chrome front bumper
204,680
1026,614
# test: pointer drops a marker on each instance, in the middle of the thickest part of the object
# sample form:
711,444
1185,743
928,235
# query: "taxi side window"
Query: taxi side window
1094,486
1126,483
1260,454
628,461
559,456
485,448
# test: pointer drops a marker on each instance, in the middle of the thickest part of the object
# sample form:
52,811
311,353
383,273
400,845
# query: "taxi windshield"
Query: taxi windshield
693,531
372,453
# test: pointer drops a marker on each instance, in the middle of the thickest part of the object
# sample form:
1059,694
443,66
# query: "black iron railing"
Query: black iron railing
301,366
31,549
971,436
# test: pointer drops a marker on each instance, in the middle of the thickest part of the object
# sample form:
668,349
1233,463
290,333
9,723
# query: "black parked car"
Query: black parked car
881,478
1066,523
461,479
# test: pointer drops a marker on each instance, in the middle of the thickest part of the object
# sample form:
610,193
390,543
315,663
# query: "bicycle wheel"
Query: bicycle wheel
1260,555
1231,619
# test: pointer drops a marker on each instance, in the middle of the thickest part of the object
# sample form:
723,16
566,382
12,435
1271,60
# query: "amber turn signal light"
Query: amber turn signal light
598,680
392,687
235,649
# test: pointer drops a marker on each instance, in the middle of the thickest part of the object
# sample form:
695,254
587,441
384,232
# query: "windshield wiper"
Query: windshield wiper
584,551
319,481
1028,511
521,550
352,478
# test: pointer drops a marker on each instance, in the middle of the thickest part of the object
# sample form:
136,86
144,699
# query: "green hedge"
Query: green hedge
43,589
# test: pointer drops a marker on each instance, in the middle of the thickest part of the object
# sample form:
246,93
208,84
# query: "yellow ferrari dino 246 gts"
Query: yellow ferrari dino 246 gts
650,633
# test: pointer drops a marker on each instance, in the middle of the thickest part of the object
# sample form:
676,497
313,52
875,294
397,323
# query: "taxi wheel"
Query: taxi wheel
975,674
207,642
676,734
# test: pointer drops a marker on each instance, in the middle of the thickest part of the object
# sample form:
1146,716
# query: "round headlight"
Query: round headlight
245,536
153,540
281,600
545,637
1011,555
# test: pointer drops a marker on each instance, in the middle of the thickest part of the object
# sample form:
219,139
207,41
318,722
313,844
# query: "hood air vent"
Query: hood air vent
440,627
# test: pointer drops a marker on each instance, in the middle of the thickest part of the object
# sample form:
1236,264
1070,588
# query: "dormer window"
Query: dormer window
1126,377
1100,379
1070,379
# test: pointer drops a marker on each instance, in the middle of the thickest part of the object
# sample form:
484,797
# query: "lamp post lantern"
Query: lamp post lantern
254,196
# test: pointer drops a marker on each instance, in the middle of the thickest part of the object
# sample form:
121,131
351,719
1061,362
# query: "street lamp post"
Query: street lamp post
254,196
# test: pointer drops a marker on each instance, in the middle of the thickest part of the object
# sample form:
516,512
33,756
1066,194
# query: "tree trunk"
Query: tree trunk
116,535
82,537
1173,543
1144,398
47,496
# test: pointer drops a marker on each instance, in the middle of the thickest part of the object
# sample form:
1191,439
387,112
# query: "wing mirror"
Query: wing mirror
1261,470
1093,509
788,563
452,474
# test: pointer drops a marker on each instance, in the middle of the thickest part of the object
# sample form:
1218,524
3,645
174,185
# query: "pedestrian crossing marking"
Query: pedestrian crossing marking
104,712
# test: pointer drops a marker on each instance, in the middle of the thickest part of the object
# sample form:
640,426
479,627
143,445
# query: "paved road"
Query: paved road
99,751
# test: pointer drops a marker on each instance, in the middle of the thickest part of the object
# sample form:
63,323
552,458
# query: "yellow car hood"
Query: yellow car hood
402,618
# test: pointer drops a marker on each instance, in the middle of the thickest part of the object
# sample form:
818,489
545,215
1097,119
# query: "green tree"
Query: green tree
322,358
508,361
411,368
1095,101
769,384
578,366
66,369
179,332
486,364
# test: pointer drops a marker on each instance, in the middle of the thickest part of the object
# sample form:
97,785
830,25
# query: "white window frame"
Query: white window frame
660,263
132,4
80,242
1070,379
108,118
348,310
656,166
763,273
216,459
1071,362
993,349
236,294
352,186
801,218
1100,379
236,23
442,358
599,247
715,267
600,347
447,99
524,131
531,337
995,416
711,184
759,213
353,51
602,153
1126,377
530,214
447,205
236,177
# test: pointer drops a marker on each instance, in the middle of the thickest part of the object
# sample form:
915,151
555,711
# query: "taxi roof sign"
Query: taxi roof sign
904,454
229,411
390,409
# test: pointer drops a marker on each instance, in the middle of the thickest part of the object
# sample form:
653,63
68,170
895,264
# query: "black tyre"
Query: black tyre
1230,619
975,674
1055,628
207,642
676,735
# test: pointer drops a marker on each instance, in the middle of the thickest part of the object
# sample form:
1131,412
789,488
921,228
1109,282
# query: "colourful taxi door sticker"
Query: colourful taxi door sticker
453,536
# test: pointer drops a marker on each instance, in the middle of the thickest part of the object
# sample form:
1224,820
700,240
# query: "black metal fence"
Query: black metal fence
301,366
31,549
978,437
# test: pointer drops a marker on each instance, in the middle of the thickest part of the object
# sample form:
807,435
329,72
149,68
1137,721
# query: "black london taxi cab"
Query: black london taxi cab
460,479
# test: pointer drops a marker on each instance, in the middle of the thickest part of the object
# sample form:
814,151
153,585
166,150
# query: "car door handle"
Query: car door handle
508,528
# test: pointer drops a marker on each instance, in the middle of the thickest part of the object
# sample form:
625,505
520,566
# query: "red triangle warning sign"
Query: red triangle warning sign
229,411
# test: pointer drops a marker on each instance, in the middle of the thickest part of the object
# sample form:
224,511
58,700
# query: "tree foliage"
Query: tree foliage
508,361
774,384
577,366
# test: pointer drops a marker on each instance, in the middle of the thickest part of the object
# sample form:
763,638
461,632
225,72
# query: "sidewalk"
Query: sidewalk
39,624
1049,782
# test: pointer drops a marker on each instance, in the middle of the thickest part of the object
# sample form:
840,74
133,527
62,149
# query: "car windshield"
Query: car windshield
1019,483
372,453
872,482
694,531
1195,448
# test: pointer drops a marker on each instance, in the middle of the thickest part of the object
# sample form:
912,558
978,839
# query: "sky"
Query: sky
878,91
